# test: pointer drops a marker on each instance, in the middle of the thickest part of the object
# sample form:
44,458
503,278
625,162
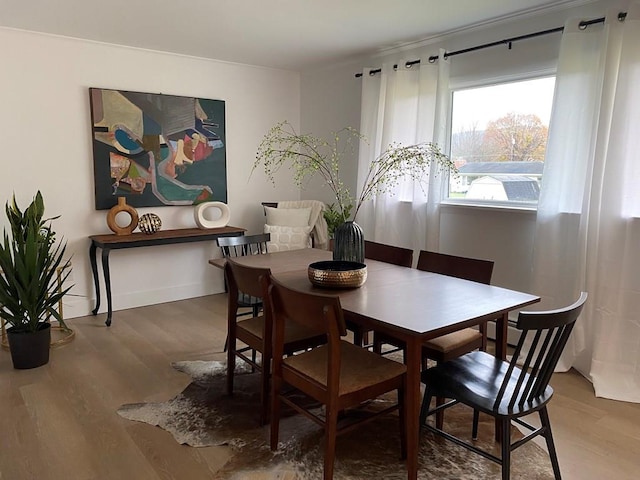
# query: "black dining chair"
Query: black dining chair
237,247
506,390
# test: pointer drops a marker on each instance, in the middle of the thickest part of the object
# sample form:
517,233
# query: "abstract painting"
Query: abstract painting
157,149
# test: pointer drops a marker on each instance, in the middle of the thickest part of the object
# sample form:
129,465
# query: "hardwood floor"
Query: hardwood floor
59,421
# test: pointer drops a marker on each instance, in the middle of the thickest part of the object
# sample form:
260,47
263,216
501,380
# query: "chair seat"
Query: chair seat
453,344
359,367
293,333
477,377
445,347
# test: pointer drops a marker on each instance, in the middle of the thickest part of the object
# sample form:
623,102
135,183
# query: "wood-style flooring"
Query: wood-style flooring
59,422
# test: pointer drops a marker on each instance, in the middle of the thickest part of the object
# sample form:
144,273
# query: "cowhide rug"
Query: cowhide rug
203,415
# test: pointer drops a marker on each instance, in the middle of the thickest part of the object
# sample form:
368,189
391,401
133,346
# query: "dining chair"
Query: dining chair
255,332
506,390
339,375
452,345
237,247
382,253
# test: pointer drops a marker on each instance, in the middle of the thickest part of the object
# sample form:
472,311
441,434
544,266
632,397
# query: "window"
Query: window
498,141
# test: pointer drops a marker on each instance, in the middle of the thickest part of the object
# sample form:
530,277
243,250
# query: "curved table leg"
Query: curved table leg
94,271
107,282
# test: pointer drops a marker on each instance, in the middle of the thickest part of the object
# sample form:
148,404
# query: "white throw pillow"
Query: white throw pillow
287,238
288,217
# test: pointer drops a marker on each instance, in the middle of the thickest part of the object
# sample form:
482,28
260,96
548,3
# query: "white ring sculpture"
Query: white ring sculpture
202,222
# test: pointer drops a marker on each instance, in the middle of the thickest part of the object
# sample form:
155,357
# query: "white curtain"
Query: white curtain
409,105
588,222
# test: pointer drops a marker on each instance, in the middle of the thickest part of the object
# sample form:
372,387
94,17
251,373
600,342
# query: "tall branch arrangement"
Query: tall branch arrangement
308,155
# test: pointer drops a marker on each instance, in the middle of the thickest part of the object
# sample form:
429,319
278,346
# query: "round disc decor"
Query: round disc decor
221,221
149,223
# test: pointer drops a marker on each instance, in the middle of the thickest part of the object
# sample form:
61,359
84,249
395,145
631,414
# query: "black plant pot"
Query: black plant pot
348,243
30,349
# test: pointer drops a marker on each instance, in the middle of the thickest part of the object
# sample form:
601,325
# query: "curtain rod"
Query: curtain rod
508,41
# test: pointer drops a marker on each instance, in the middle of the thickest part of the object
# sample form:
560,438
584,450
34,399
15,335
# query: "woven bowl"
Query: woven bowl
337,274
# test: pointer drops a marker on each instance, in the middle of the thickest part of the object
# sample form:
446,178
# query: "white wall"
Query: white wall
45,133
503,236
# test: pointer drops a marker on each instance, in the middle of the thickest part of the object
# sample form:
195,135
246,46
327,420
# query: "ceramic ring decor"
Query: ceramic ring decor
122,206
202,221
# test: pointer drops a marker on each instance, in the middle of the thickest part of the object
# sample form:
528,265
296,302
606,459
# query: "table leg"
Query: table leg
502,324
107,282
94,271
412,405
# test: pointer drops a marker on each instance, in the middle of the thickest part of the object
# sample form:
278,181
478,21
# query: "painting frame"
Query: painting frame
156,149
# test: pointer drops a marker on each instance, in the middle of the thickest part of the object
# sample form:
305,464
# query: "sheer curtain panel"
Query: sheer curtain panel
588,221
409,105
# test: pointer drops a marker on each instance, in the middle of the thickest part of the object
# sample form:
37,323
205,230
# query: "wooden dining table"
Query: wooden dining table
409,304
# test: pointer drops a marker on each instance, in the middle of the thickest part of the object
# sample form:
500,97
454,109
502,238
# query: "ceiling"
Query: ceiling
287,34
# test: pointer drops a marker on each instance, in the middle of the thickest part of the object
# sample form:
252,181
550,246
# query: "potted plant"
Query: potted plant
308,155
29,294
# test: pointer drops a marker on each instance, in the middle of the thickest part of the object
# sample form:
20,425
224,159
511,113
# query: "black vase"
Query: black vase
348,243
30,349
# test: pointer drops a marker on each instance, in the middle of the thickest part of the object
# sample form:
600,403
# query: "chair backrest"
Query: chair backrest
321,314
244,279
243,245
544,336
388,253
473,269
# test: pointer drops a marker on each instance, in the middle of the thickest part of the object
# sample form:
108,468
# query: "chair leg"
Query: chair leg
358,338
403,430
275,411
330,434
506,448
253,358
544,420
440,414
474,428
264,390
231,367
377,344
426,401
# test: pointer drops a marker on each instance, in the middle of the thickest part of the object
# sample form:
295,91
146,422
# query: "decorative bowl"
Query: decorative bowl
337,274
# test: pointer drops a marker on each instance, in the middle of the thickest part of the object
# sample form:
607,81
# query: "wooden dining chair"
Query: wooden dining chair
506,390
339,375
382,253
457,343
255,333
237,247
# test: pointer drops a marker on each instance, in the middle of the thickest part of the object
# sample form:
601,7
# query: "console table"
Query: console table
163,237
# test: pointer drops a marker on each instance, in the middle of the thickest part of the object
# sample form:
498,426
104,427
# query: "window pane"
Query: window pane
498,140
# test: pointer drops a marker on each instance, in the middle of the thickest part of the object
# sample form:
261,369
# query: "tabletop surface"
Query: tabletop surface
400,298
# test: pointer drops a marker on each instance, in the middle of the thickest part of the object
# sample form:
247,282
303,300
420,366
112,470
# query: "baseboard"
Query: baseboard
82,306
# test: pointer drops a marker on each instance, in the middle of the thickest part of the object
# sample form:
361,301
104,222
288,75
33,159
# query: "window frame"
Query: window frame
480,83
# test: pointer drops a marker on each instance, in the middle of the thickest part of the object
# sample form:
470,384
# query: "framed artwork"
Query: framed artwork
157,149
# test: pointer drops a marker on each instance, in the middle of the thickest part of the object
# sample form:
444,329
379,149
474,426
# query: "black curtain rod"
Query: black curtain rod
508,41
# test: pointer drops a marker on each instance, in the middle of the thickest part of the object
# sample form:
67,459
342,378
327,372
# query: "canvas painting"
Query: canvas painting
157,149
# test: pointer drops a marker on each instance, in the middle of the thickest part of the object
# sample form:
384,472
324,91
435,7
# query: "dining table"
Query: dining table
409,304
